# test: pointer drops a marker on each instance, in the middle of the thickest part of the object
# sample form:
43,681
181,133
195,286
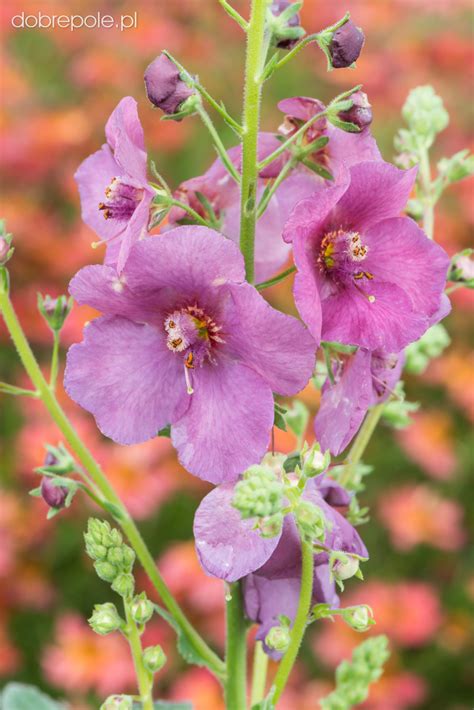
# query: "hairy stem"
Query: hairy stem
259,674
54,360
301,620
144,677
256,52
98,477
236,651
360,443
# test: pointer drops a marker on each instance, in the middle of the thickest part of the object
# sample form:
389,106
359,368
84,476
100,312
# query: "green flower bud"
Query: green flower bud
430,345
314,461
359,617
118,702
278,638
105,619
458,167
259,494
105,571
343,566
115,556
154,658
142,609
96,552
124,584
271,526
311,520
128,557
54,310
424,112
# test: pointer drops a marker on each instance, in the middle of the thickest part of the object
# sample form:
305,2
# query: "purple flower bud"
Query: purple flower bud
360,113
164,86
276,8
50,460
346,45
54,496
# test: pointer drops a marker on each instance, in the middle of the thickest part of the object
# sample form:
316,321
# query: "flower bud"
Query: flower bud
343,566
105,619
54,310
259,494
278,638
430,345
346,45
271,526
128,557
462,268
118,702
360,618
360,113
124,584
142,609
4,250
311,520
53,495
105,571
57,460
284,23
115,556
314,461
154,658
424,112
164,86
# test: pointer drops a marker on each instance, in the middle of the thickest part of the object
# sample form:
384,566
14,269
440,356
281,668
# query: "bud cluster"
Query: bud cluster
259,494
430,345
113,559
354,677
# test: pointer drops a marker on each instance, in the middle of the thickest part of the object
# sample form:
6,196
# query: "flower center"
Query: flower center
192,334
341,256
122,200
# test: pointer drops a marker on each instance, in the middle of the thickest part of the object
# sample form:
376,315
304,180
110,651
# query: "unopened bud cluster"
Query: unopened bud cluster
113,559
430,345
259,494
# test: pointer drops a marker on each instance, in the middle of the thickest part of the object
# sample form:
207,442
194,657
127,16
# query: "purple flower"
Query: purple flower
230,548
346,45
366,276
164,86
54,496
185,341
343,150
115,195
361,381
223,194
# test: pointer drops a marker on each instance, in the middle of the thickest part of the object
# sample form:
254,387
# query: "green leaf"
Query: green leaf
318,169
18,696
279,417
187,651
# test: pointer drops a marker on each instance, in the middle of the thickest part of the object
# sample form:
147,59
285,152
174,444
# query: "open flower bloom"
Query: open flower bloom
115,194
185,341
230,548
361,381
223,194
344,148
365,275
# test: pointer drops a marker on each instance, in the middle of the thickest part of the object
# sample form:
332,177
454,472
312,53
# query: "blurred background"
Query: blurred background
58,88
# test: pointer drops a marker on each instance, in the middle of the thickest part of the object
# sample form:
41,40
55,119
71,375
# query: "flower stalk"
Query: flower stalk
236,650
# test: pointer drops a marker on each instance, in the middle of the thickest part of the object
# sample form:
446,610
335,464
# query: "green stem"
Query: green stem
284,146
257,46
259,674
301,620
192,213
92,467
53,376
221,151
236,651
144,677
427,192
6,388
275,279
234,14
360,443
268,194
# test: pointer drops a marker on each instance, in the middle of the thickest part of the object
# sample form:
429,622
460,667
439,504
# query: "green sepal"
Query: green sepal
279,416
166,431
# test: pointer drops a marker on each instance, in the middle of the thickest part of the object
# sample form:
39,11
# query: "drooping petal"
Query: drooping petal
227,426
137,228
93,177
124,120
184,259
377,191
401,253
126,377
344,404
387,323
274,344
228,547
